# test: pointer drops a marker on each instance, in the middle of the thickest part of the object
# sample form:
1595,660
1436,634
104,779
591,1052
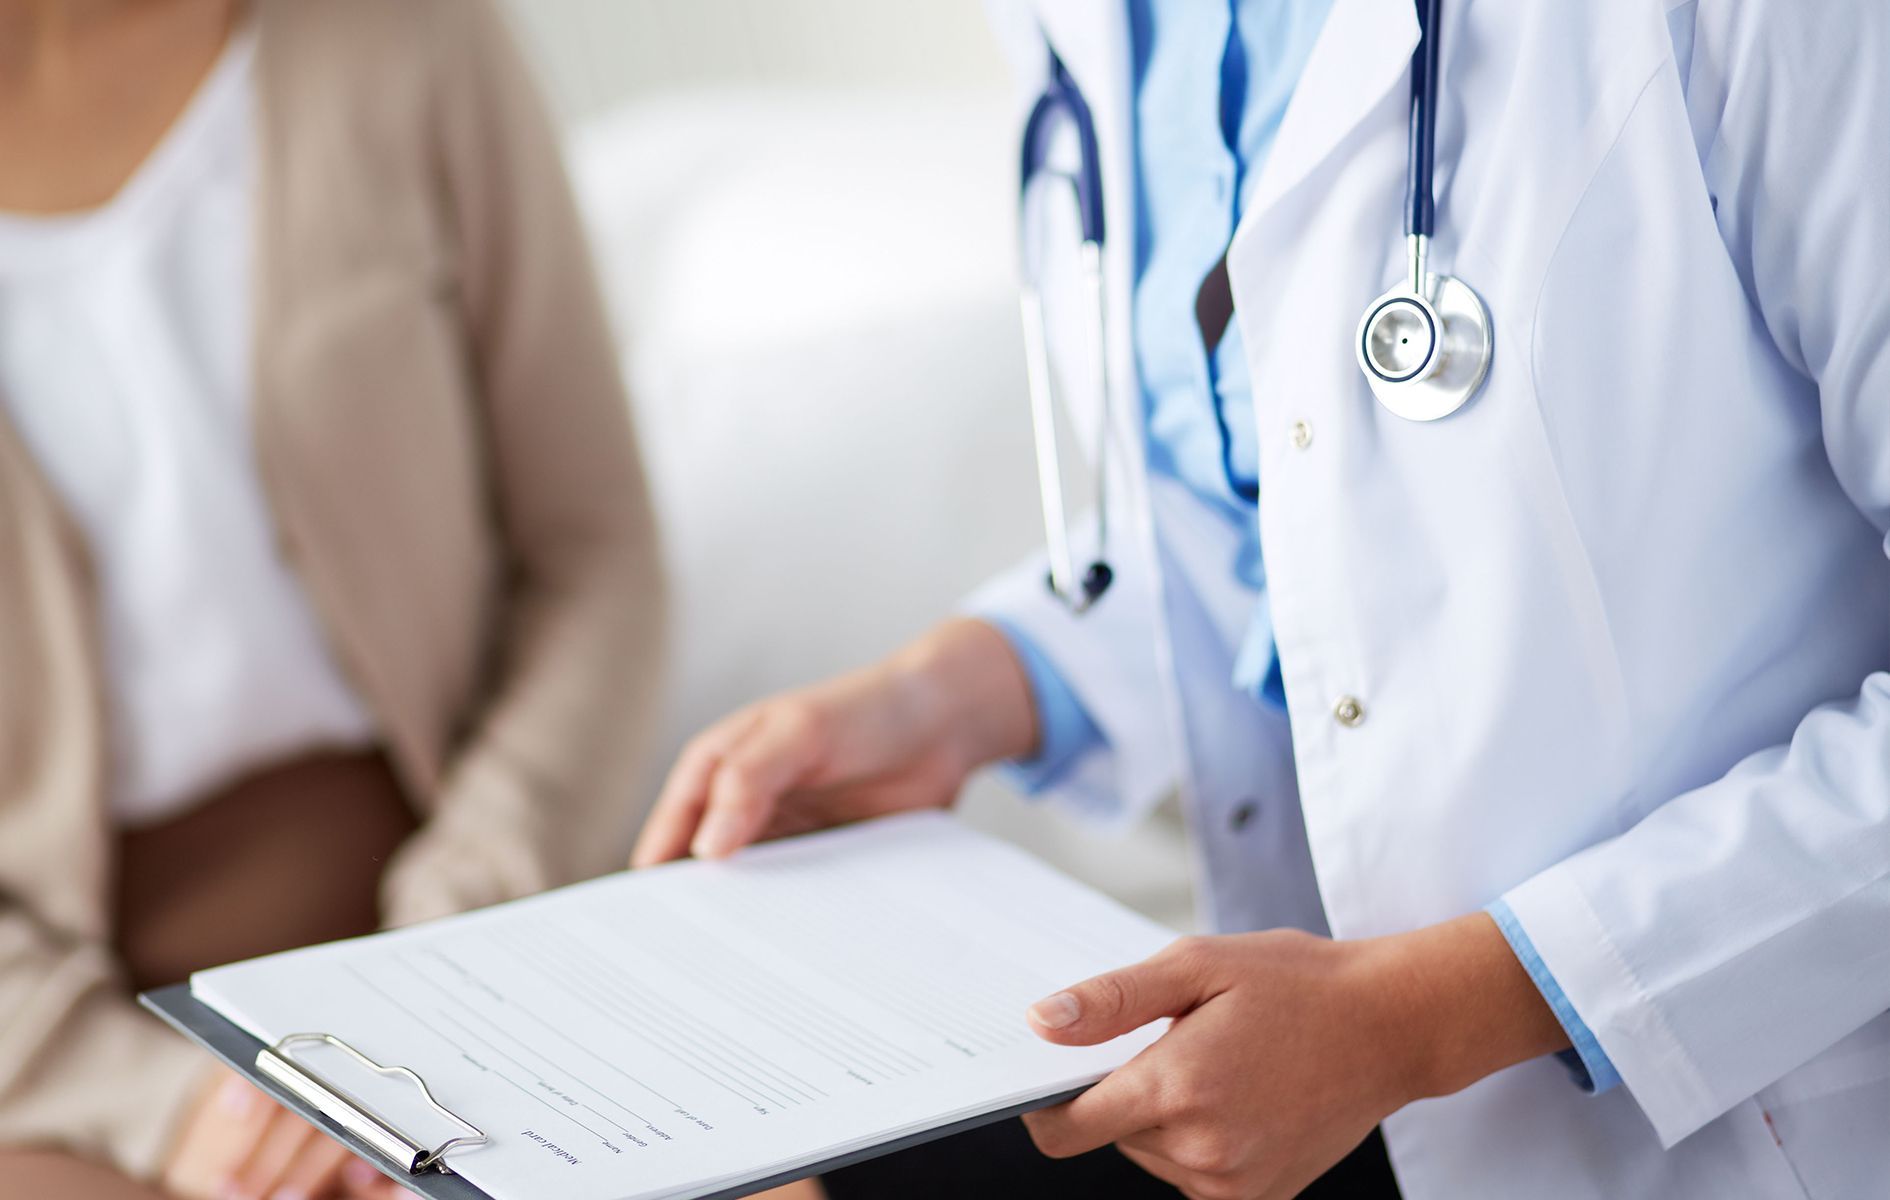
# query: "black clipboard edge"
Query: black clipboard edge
237,1050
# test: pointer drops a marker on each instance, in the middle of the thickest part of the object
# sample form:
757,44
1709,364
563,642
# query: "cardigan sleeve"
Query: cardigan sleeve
81,1067
539,791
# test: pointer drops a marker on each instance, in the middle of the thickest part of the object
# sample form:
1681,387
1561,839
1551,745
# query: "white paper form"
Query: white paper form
676,1031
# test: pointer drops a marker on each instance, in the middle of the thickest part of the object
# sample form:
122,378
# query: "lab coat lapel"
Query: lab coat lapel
1364,50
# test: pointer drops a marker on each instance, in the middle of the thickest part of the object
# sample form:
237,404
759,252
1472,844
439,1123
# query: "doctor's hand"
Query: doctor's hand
900,735
1286,1049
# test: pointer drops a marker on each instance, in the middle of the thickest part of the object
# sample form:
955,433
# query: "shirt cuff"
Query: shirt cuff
1587,1062
1065,731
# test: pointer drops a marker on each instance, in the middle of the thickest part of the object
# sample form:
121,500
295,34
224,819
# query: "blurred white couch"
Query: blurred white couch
814,296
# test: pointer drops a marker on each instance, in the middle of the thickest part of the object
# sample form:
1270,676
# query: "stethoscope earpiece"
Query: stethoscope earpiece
1096,581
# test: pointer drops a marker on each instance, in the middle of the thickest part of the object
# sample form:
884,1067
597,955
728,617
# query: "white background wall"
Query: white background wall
803,215
597,53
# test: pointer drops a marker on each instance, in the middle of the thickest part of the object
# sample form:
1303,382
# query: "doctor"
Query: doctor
1547,741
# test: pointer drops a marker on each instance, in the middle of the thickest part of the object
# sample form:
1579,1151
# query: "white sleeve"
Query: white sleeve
1744,927
1108,657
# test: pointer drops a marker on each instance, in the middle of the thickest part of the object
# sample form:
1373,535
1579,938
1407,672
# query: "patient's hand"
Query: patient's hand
897,736
238,1144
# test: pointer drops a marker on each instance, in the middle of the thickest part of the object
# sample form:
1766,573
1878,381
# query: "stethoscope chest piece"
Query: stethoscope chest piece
1425,355
1425,345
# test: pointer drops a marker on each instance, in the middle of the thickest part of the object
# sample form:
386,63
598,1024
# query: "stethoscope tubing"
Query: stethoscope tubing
1409,391
1420,204
1062,97
1063,101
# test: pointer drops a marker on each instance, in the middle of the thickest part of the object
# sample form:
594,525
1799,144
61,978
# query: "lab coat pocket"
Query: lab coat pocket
1629,384
1830,1119
1682,443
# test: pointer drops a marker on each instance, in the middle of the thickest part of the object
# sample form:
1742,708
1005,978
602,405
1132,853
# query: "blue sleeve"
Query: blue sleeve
1587,1062
1065,730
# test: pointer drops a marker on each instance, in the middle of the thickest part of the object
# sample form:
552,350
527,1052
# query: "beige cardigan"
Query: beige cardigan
446,449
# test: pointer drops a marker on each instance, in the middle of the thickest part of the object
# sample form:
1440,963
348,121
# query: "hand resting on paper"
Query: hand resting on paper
897,736
1286,1049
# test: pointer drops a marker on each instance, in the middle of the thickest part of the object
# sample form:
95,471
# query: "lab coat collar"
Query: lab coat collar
1364,49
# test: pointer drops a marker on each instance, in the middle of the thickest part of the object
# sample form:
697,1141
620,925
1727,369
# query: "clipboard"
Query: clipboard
427,1170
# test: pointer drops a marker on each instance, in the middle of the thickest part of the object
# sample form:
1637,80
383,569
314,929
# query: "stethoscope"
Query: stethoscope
1424,346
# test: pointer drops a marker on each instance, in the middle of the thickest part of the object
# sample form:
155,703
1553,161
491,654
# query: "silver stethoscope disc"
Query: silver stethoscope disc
1425,356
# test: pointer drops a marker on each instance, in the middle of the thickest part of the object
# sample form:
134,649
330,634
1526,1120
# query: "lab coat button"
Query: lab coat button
1302,435
1243,815
1349,712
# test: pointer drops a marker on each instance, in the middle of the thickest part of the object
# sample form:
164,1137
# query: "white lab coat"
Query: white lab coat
1620,628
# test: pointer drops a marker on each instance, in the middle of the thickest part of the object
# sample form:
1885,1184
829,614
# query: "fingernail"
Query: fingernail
237,1098
359,1174
232,1191
289,1194
1056,1012
716,837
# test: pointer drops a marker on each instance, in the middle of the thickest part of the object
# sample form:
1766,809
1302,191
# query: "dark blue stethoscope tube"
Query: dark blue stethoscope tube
1420,207
1061,97
1063,100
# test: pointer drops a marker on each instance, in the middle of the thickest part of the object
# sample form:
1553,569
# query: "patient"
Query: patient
328,586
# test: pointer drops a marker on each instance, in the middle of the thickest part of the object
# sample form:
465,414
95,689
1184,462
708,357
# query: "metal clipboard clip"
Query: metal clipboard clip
278,1063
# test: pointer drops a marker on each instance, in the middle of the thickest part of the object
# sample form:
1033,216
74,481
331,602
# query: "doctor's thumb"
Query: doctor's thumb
1119,1002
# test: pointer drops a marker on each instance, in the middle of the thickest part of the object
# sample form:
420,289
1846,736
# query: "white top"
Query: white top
125,362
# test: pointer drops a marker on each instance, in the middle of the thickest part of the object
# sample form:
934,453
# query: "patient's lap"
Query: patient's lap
285,857
46,1174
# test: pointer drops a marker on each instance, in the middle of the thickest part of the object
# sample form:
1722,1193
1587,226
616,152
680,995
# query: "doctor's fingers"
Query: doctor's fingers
1123,1105
1106,1006
679,806
782,749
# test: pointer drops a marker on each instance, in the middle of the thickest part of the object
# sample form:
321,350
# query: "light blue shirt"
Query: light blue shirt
1212,84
